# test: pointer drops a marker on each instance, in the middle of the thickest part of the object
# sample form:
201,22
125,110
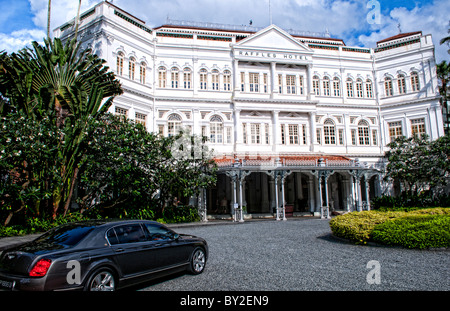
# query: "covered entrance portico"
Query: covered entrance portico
287,186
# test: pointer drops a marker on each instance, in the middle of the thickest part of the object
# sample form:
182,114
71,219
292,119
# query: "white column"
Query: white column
326,206
283,207
276,197
309,91
311,193
196,119
358,193
233,210
273,79
241,219
236,76
195,76
312,124
326,191
275,129
237,128
319,178
366,186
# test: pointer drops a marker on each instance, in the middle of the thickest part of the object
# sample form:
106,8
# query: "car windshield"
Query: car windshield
65,236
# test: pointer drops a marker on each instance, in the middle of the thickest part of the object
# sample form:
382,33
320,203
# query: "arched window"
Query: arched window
216,129
359,88
142,72
401,84
329,132
415,82
316,88
174,77
120,58
187,78
388,86
369,89
215,79
162,73
326,86
131,67
336,86
174,124
363,132
227,80
349,83
203,78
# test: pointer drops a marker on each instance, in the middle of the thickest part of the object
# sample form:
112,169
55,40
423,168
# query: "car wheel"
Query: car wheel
101,281
198,261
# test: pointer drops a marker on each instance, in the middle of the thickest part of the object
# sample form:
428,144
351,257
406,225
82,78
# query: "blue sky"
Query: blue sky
26,20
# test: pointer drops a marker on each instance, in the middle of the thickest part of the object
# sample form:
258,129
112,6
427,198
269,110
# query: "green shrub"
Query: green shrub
407,201
36,225
181,213
146,213
359,227
415,231
12,231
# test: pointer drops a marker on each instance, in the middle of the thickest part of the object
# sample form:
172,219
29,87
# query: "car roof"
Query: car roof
114,222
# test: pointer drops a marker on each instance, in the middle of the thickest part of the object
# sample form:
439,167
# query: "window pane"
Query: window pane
157,233
130,233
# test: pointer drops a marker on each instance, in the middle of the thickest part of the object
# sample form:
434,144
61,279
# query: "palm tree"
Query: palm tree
443,73
71,84
446,40
77,21
48,18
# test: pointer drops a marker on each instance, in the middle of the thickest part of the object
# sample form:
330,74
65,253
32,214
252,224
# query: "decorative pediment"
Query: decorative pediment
273,38
255,114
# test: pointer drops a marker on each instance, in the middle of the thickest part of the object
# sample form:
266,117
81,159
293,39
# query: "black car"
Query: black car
100,255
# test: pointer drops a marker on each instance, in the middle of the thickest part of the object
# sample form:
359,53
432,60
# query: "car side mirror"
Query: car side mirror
176,236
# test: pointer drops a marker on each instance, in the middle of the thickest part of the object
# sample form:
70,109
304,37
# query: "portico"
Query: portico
289,186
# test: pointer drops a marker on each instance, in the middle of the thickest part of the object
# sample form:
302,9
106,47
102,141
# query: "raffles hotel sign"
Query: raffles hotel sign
271,56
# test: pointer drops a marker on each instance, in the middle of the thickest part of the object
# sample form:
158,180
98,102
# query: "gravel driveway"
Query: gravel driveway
301,255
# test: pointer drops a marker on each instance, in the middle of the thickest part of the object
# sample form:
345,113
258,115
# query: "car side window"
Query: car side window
112,237
157,233
129,233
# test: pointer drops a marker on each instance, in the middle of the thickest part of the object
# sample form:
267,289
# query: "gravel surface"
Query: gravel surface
302,255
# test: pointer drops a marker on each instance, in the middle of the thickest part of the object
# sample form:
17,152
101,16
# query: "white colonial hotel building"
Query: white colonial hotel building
295,120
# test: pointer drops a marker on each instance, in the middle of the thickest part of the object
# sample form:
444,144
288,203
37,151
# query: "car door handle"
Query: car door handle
119,250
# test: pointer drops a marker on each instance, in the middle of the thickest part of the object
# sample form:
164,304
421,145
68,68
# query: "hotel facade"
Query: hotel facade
298,122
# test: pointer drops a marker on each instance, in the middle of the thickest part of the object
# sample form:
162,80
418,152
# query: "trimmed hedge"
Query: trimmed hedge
358,227
416,231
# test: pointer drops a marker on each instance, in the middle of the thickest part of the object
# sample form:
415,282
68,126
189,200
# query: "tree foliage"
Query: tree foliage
57,139
418,163
130,168
65,90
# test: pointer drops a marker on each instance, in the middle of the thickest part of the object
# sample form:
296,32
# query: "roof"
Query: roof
287,160
243,31
399,36
130,15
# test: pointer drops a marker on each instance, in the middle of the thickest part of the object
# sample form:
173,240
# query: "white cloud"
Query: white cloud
61,11
432,18
344,19
20,39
